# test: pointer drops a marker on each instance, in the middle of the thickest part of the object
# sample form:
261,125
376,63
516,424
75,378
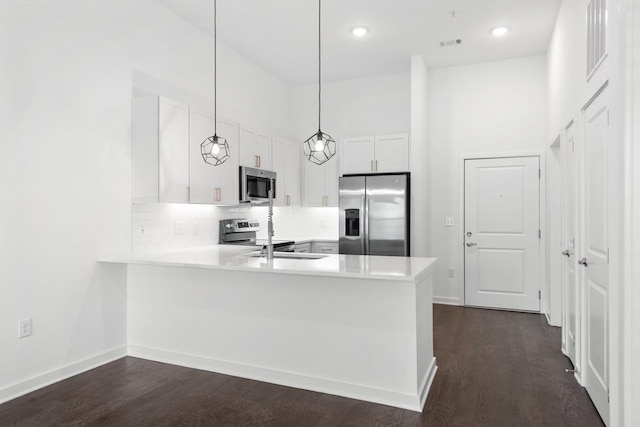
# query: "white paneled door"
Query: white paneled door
569,262
594,259
502,233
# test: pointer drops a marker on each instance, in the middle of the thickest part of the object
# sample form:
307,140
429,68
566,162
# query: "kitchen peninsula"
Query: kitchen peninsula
350,325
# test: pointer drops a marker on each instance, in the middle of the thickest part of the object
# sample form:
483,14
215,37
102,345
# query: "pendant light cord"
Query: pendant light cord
319,62
215,68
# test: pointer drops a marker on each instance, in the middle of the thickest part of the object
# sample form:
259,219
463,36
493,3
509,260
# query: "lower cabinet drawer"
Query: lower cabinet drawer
324,247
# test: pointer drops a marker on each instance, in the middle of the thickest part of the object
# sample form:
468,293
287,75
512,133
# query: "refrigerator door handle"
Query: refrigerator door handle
366,236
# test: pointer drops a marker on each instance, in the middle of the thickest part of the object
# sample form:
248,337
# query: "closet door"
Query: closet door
594,257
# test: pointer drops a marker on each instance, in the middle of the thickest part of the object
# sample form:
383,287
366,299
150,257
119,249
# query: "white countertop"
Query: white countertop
221,257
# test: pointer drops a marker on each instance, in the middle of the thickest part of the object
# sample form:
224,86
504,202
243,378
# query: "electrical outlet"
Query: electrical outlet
138,231
452,273
449,222
25,328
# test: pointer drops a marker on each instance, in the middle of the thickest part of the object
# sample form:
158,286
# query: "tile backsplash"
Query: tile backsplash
161,227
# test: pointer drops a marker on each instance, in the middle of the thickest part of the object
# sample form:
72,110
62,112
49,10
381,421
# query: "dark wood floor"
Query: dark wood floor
496,368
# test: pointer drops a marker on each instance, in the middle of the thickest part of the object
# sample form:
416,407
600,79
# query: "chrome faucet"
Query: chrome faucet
270,226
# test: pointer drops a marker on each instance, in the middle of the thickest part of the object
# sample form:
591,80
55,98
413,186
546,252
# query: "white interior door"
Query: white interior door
502,233
594,269
569,263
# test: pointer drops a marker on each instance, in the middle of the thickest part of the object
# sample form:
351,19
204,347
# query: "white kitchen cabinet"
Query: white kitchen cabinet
173,147
225,176
200,173
212,184
286,163
144,138
324,247
255,149
358,154
321,183
371,154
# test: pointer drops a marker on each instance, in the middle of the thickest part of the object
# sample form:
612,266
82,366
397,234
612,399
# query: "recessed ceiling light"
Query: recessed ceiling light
499,31
359,31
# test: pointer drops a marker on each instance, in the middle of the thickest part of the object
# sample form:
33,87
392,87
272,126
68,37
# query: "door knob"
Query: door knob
471,244
566,252
583,261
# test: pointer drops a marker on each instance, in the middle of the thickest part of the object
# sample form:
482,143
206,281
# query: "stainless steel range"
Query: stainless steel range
243,232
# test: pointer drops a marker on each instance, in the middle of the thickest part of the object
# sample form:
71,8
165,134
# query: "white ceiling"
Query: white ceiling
282,35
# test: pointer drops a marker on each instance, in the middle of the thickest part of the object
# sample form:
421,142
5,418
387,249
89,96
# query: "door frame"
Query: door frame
541,214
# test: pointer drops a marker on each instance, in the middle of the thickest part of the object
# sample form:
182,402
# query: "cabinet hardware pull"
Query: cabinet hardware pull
566,253
471,244
218,194
376,166
583,261
371,165
288,200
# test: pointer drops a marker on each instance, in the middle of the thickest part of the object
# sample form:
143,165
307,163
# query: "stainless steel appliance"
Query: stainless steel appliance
243,232
255,185
374,214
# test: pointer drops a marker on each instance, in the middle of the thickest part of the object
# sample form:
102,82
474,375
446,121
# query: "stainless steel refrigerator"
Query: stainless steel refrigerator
374,214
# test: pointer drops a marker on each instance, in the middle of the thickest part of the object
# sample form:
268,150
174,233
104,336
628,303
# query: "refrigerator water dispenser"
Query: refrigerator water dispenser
352,222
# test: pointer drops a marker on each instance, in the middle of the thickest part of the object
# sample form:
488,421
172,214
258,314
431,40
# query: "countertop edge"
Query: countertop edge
344,275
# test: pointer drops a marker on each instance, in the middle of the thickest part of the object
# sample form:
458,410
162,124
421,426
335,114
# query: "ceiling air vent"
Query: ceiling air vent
451,43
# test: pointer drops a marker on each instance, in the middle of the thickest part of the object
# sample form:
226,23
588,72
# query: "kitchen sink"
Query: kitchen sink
292,255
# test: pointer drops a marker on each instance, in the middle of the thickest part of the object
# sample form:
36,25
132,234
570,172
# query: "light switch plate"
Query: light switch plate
449,222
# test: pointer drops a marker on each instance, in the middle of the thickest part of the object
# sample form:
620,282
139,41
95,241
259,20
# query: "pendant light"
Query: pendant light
319,147
215,149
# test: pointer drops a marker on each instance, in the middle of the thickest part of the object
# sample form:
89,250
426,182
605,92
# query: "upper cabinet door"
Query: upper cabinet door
391,153
226,181
263,151
293,155
331,182
278,150
173,144
358,155
286,163
200,173
248,148
314,184
144,146
255,149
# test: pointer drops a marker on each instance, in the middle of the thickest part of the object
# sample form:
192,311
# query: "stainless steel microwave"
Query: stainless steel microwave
255,185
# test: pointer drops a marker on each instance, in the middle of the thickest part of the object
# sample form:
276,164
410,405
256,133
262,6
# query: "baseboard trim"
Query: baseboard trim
43,380
446,300
413,402
426,382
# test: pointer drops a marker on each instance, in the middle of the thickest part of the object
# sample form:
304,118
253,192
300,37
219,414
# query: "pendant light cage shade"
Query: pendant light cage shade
215,150
319,148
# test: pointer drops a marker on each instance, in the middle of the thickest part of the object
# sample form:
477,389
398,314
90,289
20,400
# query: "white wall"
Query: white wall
361,107
66,187
631,388
421,186
492,107
173,56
